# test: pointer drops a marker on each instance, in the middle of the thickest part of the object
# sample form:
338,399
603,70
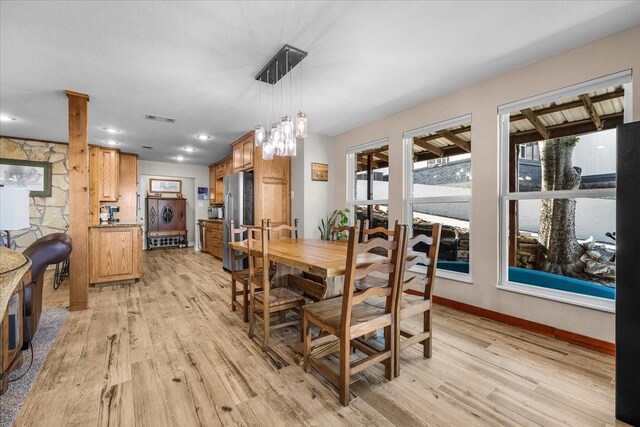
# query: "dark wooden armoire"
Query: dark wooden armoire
166,222
628,275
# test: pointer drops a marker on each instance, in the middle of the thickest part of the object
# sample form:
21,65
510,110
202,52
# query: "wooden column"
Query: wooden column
78,201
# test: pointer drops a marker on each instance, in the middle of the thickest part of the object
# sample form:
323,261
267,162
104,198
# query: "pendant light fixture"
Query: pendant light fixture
281,137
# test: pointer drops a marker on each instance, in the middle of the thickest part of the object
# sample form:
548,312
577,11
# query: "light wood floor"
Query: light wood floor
168,351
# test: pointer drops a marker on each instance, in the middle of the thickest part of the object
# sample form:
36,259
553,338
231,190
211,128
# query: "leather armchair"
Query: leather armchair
47,250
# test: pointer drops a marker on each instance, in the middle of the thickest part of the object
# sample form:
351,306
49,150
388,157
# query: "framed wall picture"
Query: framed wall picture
165,186
36,176
203,193
319,172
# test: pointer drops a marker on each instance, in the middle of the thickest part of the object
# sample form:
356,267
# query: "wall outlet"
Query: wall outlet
292,195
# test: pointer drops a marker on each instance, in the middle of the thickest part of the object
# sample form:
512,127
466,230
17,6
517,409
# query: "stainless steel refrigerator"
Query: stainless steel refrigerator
238,207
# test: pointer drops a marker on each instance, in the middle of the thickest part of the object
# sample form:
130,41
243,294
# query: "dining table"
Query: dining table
315,267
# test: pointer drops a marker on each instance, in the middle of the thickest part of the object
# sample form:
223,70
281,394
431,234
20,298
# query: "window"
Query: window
368,193
439,190
558,185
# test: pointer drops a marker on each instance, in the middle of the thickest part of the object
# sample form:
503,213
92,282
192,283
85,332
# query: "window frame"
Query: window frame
351,177
409,200
621,78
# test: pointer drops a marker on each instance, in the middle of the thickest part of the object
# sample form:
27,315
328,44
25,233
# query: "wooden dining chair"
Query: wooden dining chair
367,232
267,301
411,305
239,275
349,317
338,231
277,230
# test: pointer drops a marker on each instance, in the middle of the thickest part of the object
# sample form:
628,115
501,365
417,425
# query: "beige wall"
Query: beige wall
46,214
605,56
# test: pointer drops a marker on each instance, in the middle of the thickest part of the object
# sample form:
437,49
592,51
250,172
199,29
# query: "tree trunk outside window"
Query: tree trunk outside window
560,251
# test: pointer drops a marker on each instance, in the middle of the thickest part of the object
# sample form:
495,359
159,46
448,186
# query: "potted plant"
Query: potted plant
338,218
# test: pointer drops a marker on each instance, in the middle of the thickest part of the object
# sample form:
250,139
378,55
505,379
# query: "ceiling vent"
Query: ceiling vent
147,147
160,119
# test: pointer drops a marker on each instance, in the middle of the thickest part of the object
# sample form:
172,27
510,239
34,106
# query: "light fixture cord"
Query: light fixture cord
290,89
260,102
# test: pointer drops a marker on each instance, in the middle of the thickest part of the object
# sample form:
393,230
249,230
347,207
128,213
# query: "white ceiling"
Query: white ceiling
196,61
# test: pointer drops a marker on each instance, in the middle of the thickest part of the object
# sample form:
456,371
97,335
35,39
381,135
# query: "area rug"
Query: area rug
51,321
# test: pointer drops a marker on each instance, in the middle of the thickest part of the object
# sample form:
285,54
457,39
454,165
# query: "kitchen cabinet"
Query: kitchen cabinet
243,153
272,189
115,253
213,237
212,184
217,172
128,187
108,174
113,178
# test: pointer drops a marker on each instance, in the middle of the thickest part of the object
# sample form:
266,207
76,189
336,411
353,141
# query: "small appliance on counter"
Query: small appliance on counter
107,214
215,212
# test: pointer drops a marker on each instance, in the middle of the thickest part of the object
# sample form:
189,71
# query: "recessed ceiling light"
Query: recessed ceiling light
189,149
600,147
111,130
5,118
202,137
112,142
180,158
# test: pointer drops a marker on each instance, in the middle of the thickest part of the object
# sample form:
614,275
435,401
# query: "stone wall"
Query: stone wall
47,214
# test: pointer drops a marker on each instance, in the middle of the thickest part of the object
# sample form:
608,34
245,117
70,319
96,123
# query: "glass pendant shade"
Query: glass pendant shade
275,133
290,146
301,125
287,127
259,135
267,147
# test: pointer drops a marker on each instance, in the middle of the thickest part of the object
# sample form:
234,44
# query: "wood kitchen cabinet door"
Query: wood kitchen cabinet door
272,186
212,184
115,253
128,187
109,172
238,157
247,154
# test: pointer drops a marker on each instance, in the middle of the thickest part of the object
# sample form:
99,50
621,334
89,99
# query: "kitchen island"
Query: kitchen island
115,252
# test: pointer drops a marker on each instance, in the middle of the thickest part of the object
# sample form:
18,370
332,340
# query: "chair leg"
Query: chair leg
233,294
245,302
301,324
397,349
306,345
389,345
266,325
252,318
345,365
426,344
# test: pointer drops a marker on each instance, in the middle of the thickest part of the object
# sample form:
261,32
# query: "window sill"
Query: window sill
587,301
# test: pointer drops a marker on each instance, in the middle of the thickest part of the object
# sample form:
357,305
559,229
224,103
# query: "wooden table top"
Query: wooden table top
13,265
320,257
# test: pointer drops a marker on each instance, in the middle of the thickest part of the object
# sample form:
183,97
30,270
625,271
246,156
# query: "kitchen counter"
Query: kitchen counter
116,224
13,265
115,252
210,220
